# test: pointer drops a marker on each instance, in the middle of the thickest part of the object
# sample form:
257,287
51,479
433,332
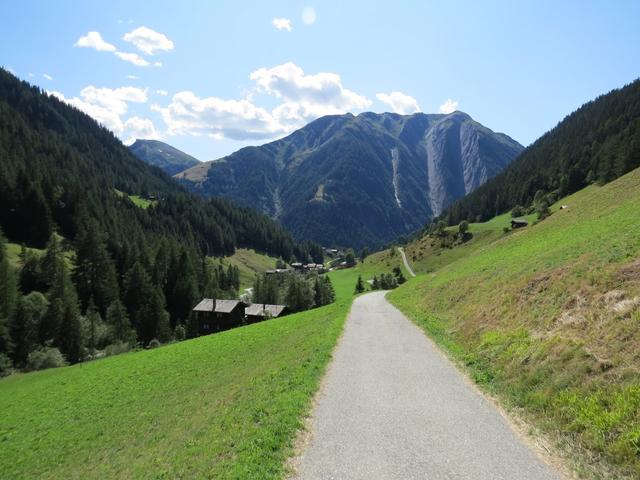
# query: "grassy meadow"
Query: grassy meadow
224,406
547,318
249,262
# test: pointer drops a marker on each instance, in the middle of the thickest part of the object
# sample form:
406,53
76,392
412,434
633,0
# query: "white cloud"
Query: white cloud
132,77
302,98
148,41
137,127
162,93
308,16
106,105
188,114
132,58
399,102
282,24
449,106
47,76
306,96
31,75
94,40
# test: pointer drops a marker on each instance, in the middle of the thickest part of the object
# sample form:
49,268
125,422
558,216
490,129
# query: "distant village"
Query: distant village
212,315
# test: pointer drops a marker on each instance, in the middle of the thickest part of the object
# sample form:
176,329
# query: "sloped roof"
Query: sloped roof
220,306
206,305
259,309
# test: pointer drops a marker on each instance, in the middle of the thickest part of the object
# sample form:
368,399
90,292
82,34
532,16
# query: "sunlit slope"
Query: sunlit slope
223,406
548,317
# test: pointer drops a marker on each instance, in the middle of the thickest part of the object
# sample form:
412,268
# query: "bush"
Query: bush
155,343
117,348
518,211
45,357
5,365
179,333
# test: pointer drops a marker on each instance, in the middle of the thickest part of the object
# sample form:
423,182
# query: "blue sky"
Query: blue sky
209,77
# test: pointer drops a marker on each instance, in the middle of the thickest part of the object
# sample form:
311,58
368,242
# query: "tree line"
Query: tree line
298,291
73,299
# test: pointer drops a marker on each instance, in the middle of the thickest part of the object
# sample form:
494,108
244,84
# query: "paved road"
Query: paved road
406,262
392,407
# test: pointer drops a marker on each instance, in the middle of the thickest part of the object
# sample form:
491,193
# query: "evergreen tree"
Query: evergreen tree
185,292
364,254
350,258
138,289
118,323
8,296
359,285
95,274
63,319
31,312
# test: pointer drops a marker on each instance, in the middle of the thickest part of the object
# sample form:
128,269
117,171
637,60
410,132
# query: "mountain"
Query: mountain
597,143
359,180
169,159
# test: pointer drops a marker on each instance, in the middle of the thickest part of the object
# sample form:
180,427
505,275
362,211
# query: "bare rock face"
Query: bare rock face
380,176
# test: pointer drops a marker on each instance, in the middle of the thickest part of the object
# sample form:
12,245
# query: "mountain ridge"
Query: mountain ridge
162,155
387,174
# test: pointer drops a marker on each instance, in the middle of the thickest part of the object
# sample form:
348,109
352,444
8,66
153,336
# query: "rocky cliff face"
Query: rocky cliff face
360,180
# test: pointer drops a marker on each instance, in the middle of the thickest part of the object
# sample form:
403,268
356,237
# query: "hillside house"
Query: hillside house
257,312
213,315
518,223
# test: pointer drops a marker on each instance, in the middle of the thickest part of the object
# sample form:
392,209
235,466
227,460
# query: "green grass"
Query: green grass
538,317
249,262
137,199
225,406
344,281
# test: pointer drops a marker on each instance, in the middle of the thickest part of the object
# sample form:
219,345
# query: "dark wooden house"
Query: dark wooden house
518,223
213,315
257,312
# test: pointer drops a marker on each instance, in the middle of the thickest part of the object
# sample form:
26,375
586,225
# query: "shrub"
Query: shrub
45,357
117,348
518,211
179,333
5,365
155,343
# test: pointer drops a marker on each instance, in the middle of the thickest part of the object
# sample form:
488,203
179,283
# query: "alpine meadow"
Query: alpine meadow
303,242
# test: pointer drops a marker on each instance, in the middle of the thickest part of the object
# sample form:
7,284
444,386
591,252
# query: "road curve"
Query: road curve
406,262
393,407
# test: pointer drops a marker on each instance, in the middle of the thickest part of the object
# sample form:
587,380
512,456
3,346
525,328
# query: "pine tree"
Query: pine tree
359,285
118,323
185,293
25,327
8,296
95,273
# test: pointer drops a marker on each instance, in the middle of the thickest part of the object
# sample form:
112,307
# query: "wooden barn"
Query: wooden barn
257,312
213,315
518,223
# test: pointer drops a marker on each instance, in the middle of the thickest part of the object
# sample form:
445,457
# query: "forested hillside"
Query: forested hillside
597,143
113,272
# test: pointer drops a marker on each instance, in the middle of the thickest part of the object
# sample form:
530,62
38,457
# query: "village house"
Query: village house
258,312
518,223
213,315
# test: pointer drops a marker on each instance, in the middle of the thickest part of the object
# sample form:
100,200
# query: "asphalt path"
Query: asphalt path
393,407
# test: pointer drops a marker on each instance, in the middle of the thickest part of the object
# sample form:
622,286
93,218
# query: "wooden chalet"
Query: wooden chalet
518,223
213,315
257,312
